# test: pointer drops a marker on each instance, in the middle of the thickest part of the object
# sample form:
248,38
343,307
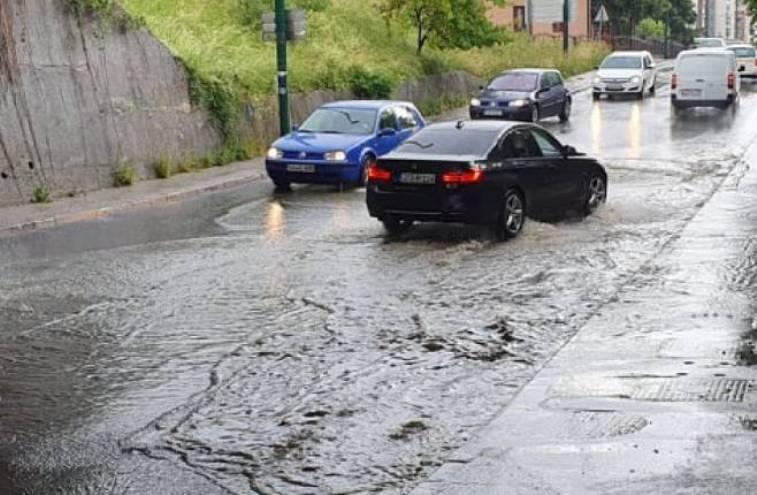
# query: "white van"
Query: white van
705,78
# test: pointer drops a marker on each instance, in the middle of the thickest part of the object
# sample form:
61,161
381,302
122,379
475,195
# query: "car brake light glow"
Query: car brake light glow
378,174
731,80
472,176
674,82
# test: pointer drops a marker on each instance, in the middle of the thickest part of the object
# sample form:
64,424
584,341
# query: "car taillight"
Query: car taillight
378,174
755,62
472,176
674,82
731,80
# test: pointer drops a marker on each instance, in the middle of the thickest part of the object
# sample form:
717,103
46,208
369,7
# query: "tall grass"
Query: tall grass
216,43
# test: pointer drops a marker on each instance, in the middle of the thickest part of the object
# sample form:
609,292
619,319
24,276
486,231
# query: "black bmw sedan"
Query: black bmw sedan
523,94
482,172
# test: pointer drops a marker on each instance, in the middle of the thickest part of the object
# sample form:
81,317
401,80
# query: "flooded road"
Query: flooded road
281,344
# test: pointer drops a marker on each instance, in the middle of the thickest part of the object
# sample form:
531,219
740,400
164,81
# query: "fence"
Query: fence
656,47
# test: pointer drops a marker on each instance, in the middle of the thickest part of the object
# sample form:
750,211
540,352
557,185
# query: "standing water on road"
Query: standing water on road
290,347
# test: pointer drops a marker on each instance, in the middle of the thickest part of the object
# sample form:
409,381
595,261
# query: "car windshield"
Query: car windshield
340,121
624,62
744,52
514,81
709,43
450,142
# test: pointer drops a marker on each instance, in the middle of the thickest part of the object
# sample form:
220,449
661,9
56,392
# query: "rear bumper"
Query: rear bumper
324,173
679,103
465,205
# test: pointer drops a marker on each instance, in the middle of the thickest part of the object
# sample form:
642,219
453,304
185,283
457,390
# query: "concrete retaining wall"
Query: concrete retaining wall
78,96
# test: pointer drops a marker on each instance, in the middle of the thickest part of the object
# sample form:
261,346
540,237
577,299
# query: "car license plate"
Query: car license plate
301,168
614,87
493,112
691,92
412,178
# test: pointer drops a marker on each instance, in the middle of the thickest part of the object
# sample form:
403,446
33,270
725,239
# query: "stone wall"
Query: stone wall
79,96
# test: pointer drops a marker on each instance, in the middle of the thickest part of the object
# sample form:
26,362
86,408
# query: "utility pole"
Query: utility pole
667,34
281,63
566,26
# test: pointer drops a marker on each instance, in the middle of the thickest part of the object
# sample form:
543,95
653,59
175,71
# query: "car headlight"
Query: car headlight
519,103
597,80
635,80
275,154
475,102
336,156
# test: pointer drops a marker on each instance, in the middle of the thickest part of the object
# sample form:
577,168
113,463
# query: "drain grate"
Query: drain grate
604,424
677,390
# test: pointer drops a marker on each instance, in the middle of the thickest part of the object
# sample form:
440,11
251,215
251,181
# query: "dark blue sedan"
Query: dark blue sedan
339,142
524,94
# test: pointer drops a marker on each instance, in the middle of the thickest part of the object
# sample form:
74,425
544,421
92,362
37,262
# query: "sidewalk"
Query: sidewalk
655,394
109,201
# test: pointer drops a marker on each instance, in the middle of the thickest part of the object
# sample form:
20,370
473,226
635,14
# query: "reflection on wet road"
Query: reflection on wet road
281,343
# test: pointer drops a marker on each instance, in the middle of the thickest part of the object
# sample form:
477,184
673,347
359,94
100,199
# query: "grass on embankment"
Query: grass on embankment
349,37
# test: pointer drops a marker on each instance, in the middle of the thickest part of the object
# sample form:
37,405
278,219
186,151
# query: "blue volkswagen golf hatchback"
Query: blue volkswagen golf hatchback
338,142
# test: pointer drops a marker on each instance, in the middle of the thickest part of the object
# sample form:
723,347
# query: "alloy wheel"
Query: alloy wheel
597,193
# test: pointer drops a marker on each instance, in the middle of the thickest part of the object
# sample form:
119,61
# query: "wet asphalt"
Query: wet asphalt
247,341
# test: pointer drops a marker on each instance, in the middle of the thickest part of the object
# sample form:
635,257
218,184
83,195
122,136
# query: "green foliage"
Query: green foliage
444,23
163,168
651,29
218,97
125,175
369,85
41,194
625,15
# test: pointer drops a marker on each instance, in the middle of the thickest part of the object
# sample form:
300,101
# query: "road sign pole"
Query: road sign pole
281,63
566,25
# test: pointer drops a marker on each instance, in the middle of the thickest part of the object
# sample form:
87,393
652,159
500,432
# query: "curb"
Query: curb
158,198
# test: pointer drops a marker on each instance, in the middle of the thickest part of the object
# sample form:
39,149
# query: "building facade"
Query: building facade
543,17
728,19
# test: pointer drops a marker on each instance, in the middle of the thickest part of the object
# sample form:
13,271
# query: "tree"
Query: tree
649,28
625,15
444,23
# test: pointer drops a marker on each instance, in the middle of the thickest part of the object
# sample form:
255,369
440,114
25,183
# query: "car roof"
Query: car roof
477,125
629,53
526,70
366,104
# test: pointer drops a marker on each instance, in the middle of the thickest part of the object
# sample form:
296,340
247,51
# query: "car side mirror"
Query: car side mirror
568,151
296,127
652,66
387,131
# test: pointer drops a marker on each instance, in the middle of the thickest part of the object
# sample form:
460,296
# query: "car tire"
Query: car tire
282,185
597,96
512,217
652,89
566,110
395,226
640,94
596,193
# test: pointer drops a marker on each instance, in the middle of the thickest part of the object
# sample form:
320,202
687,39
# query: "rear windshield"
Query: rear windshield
703,65
450,142
515,81
744,52
710,43
622,62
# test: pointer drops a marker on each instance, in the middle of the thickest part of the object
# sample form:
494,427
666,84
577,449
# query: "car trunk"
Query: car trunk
416,185
703,77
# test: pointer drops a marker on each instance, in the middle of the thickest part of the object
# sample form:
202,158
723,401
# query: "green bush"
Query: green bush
163,168
371,85
125,175
41,194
